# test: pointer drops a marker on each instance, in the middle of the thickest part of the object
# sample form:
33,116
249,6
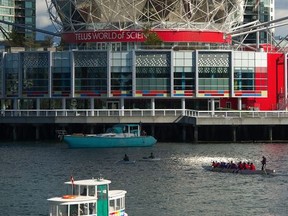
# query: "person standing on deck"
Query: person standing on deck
263,163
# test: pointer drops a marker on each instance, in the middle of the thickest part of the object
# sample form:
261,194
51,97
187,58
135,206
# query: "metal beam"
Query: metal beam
31,28
266,24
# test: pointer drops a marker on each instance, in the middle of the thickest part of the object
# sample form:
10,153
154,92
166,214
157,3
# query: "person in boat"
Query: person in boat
264,160
151,156
246,166
84,192
143,133
252,166
240,166
215,164
126,158
232,165
223,164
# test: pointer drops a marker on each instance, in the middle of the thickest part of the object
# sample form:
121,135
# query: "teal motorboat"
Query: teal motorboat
120,135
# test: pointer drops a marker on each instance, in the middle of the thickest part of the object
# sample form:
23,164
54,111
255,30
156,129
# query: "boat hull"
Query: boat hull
247,172
108,142
150,159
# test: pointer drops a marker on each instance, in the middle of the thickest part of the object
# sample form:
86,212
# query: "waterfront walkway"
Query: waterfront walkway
185,125
191,117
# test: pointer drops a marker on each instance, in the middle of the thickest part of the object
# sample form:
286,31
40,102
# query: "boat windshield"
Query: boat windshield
116,130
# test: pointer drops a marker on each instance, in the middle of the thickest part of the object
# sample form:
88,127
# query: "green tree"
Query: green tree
48,41
15,39
152,38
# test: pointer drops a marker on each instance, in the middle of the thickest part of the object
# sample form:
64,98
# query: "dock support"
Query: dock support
37,132
153,130
234,134
92,129
183,133
195,134
270,133
14,133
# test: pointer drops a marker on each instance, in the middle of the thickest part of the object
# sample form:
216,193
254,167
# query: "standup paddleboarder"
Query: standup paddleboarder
263,163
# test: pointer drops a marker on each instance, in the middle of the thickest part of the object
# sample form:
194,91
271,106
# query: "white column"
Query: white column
122,106
153,106
183,106
212,103
239,103
92,106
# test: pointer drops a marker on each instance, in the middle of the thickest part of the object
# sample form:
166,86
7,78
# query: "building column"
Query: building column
64,106
239,103
38,106
122,105
63,103
92,106
183,106
212,103
153,106
15,104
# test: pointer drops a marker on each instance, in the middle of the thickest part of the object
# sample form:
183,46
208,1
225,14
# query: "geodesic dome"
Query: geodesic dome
83,15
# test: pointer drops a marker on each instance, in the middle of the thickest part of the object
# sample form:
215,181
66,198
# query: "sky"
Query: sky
43,21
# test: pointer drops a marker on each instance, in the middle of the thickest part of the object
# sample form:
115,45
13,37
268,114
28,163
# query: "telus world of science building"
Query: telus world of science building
148,54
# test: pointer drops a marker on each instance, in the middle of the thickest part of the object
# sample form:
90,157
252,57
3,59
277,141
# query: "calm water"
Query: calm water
175,186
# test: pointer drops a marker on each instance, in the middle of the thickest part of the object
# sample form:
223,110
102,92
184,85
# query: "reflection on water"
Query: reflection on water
175,185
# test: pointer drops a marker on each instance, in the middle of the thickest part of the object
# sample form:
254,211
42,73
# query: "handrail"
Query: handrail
143,113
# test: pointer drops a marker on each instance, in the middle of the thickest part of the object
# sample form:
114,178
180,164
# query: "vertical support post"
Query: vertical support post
122,106
92,129
239,103
183,106
37,132
153,106
14,133
38,107
63,105
234,133
92,106
153,130
212,106
270,133
258,41
195,134
183,133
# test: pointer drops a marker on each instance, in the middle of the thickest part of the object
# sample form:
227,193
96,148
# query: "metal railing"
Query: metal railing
92,112
144,113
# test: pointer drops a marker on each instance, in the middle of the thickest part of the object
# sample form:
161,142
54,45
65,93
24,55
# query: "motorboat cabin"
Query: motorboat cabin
90,197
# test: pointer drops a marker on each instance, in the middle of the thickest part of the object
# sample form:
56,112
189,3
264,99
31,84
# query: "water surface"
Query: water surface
175,185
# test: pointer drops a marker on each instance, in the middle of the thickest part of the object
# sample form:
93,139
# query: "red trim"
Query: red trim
138,36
